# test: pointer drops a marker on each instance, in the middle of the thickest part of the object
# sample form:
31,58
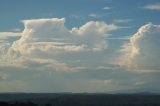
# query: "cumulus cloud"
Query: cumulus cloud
155,6
42,38
142,51
93,34
6,40
51,34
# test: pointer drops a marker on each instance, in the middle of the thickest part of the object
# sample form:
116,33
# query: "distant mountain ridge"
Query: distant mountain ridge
83,99
21,96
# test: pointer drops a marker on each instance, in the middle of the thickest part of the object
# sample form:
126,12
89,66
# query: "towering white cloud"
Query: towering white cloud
41,29
93,34
51,34
142,52
41,39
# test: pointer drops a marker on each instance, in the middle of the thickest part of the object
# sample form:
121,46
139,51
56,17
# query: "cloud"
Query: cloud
142,52
17,30
3,76
51,34
6,40
7,35
121,20
155,6
94,15
42,40
106,8
93,34
46,64
76,17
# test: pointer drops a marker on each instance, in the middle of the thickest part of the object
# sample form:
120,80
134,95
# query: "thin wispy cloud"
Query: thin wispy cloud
121,20
155,6
106,8
94,15
16,30
6,35
76,17
119,38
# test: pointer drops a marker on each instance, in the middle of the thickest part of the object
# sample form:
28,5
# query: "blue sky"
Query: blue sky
79,46
18,10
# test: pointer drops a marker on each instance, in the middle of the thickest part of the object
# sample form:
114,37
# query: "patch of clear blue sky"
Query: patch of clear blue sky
12,11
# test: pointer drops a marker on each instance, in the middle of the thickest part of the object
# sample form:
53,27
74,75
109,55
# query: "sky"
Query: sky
103,46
